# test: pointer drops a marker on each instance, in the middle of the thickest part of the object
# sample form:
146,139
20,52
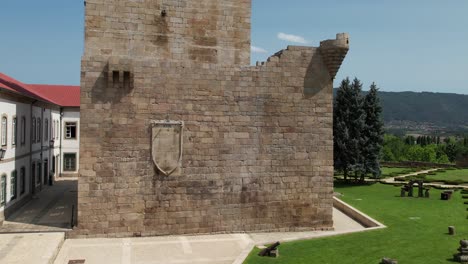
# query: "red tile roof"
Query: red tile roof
62,95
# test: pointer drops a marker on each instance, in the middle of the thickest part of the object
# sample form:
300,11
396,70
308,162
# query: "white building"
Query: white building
39,139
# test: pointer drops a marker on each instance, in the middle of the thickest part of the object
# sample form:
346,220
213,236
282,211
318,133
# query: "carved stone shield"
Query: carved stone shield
167,145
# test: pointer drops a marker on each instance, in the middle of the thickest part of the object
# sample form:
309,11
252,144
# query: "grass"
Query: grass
416,233
396,171
390,172
450,176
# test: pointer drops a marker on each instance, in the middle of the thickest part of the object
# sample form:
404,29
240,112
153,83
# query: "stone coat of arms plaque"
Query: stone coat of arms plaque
167,145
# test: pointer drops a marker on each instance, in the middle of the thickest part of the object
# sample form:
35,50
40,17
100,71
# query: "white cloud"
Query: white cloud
292,38
258,50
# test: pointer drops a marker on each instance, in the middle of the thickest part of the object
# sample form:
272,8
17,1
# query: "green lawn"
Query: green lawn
416,233
450,176
389,172
393,171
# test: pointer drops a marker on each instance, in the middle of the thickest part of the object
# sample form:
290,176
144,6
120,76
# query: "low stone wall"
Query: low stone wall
353,213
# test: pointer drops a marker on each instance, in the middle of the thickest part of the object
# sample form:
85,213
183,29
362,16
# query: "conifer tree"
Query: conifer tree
357,126
373,133
342,111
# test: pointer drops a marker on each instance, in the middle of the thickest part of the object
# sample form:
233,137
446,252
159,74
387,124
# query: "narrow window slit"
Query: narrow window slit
126,79
115,77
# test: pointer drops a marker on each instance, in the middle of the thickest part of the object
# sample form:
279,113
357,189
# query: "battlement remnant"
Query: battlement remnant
334,51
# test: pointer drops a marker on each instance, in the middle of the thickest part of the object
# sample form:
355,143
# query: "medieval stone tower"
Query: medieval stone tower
180,135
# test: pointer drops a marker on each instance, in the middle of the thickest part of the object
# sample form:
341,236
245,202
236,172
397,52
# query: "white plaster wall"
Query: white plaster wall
7,169
56,134
10,109
16,156
70,145
40,149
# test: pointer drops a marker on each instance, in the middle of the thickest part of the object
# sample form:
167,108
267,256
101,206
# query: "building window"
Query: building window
3,190
13,186
38,127
22,180
33,136
46,130
70,130
4,130
23,130
14,131
69,161
53,130
33,174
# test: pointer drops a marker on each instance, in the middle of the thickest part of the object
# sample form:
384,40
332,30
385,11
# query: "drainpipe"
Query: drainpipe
31,142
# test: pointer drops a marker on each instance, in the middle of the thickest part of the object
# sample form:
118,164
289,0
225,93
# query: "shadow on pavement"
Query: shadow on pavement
49,211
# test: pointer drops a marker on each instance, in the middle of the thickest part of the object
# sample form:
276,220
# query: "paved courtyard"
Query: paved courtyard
49,211
213,249
32,248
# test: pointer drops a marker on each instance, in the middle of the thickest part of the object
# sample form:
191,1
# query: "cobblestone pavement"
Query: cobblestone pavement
49,211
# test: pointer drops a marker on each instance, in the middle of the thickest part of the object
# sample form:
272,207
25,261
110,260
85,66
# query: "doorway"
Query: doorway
33,178
46,172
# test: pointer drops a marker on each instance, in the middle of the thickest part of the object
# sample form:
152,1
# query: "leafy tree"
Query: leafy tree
452,150
415,153
462,157
372,134
394,149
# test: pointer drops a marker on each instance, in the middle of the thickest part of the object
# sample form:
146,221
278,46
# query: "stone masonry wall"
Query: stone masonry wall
258,142
212,31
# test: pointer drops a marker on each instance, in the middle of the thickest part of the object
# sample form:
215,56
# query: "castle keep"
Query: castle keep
180,136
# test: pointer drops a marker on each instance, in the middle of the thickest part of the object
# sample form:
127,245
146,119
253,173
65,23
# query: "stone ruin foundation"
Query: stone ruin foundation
181,136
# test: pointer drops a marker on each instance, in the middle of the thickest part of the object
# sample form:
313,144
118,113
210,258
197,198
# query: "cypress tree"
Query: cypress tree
373,132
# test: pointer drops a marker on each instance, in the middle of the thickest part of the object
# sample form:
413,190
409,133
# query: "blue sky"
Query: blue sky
417,45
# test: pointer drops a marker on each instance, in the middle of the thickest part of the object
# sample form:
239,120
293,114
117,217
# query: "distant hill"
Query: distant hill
424,111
